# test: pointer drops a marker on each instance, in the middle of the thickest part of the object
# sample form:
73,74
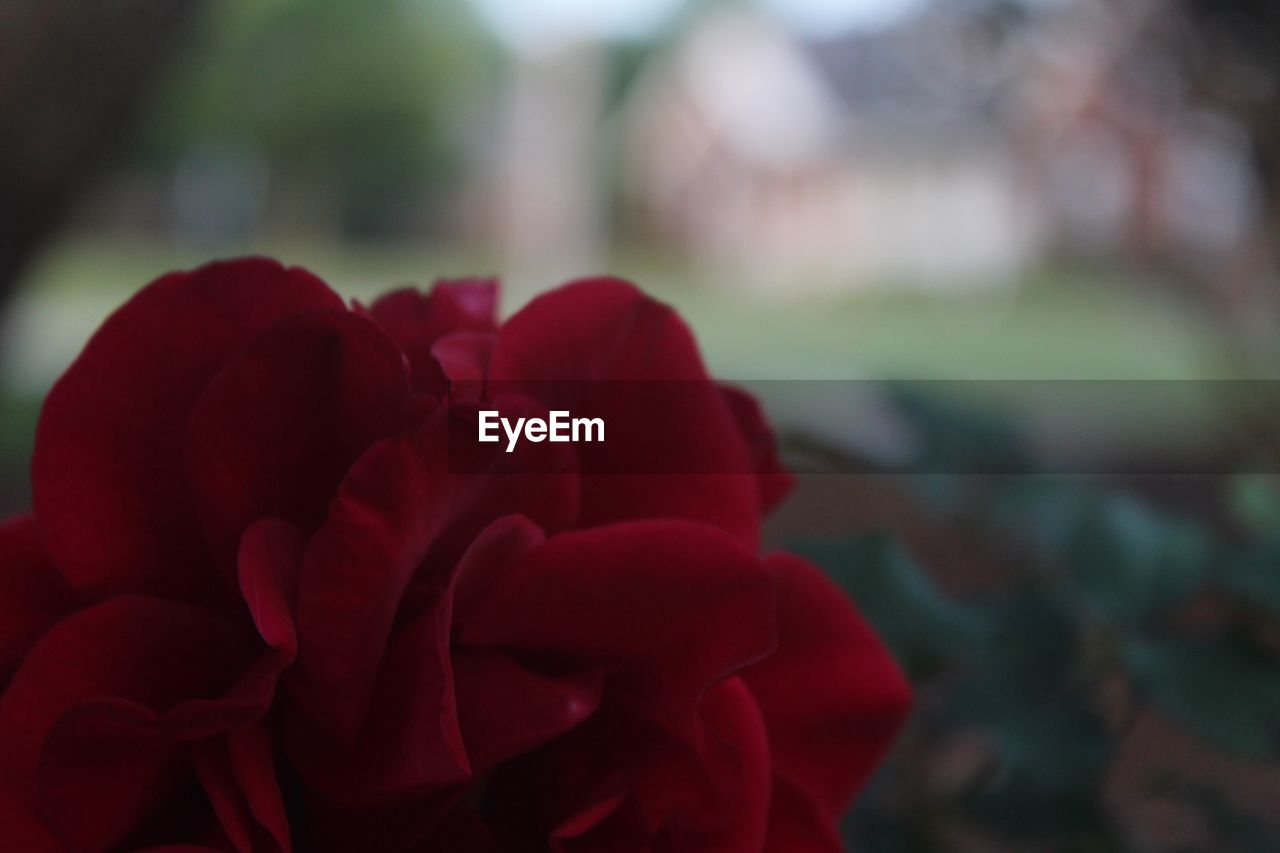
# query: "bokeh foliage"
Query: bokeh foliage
375,95
1111,609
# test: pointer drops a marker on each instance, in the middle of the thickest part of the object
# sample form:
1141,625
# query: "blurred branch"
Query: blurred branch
73,76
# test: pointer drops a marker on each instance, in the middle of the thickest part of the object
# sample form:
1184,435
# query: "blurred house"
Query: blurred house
830,165
951,151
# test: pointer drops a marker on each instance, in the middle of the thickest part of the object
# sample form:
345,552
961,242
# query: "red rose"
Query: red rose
257,609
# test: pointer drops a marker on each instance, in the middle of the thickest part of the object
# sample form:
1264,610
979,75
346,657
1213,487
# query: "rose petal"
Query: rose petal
464,360
618,782
275,432
774,483
492,553
398,510
418,320
104,767
107,473
410,746
832,696
356,569
536,480
21,829
238,773
507,710
576,349
797,821
151,652
271,554
400,829
33,594
671,603
462,831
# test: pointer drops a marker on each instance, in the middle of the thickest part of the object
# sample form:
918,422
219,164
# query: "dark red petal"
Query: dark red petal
274,433
32,592
576,349
356,570
797,821
400,509
491,554
536,480
462,831
410,746
153,653
833,699
238,773
737,750
107,474
464,360
618,782
678,603
402,829
417,320
596,329
506,710
270,561
20,827
774,483
104,767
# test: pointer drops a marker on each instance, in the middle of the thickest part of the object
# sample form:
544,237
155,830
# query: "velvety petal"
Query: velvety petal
20,827
797,821
462,831
104,767
668,602
536,480
238,773
33,594
270,561
774,483
618,782
400,829
589,348
832,697
107,473
184,821
506,709
737,749
490,556
355,571
153,653
274,433
417,320
464,360
601,329
409,747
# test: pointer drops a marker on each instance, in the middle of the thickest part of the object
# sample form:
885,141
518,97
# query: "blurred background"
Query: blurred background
886,191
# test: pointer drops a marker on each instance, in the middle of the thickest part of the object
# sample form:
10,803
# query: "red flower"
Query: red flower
257,609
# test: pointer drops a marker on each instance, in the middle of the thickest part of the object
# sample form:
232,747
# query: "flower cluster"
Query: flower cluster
256,608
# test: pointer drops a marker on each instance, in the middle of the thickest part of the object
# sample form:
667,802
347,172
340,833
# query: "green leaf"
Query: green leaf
1223,689
924,629
1255,502
1254,574
1130,564
1024,692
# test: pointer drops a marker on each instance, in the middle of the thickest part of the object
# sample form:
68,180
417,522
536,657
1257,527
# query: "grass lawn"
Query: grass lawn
1056,326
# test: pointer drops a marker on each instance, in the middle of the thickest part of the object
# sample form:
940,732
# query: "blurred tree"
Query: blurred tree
73,77
367,99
